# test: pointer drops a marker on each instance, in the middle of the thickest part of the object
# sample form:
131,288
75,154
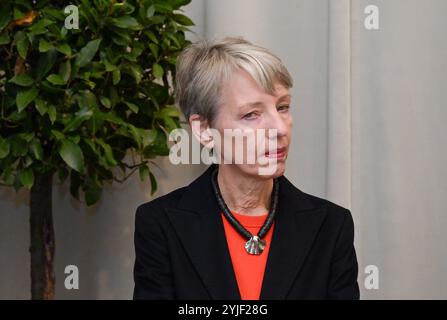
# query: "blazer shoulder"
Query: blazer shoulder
154,208
306,200
335,211
338,218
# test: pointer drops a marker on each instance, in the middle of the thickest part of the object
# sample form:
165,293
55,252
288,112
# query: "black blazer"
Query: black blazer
182,253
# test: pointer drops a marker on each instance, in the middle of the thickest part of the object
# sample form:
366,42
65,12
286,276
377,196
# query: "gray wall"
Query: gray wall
368,109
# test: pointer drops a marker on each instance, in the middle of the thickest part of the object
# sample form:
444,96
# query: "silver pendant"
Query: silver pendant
255,245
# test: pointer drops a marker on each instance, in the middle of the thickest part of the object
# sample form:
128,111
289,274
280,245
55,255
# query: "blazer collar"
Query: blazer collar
200,229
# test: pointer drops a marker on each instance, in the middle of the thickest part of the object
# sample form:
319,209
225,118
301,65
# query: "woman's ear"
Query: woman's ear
201,130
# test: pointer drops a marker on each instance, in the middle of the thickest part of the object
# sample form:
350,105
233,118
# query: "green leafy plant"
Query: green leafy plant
91,105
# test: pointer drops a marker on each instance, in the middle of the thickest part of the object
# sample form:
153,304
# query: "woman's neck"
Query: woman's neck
242,193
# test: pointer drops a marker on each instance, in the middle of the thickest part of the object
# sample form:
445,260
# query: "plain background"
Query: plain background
369,134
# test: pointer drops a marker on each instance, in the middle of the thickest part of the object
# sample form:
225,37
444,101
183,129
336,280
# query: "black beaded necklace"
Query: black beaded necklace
255,244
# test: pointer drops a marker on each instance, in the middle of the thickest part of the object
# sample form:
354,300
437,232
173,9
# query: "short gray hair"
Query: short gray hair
205,65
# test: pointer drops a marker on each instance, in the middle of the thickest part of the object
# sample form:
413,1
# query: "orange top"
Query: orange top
249,269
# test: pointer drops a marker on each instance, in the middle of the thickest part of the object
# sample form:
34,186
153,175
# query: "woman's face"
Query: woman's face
261,120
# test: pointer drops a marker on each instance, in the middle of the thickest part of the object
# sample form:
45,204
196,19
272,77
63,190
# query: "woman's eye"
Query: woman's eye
284,108
250,115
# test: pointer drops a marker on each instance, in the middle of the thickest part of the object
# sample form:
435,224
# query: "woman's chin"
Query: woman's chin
272,170
279,170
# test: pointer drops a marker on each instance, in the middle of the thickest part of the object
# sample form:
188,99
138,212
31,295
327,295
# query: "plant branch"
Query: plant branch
125,177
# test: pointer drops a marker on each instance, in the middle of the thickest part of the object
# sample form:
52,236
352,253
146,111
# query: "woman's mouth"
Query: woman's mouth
279,153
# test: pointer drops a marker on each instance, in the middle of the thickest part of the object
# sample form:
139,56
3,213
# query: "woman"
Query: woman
238,231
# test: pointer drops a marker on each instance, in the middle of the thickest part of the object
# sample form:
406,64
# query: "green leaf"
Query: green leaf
144,172
150,11
19,148
113,95
27,136
71,153
126,22
64,32
159,147
176,4
36,149
44,45
17,14
87,100
45,63
169,124
91,144
148,136
154,49
173,38
39,27
109,66
26,177
124,35
57,134
153,183
168,112
105,102
56,79
5,15
151,36
92,192
28,161
135,132
23,80
4,148
4,39
183,20
108,116
116,76
52,113
135,71
135,52
172,60
120,41
87,53
22,43
74,137
78,118
132,106
164,7
8,178
64,48
107,152
41,106
24,98
157,70
75,182
65,70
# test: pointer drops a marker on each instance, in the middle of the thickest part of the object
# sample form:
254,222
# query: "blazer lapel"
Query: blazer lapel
201,232
296,225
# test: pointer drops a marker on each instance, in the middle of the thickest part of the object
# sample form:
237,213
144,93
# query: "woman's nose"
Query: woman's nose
277,121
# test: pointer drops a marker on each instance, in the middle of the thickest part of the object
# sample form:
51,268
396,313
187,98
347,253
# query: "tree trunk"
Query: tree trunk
42,238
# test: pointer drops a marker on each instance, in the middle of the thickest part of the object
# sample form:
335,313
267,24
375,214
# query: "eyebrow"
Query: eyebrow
257,103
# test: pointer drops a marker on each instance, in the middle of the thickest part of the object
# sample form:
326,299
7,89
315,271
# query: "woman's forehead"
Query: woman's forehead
242,87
